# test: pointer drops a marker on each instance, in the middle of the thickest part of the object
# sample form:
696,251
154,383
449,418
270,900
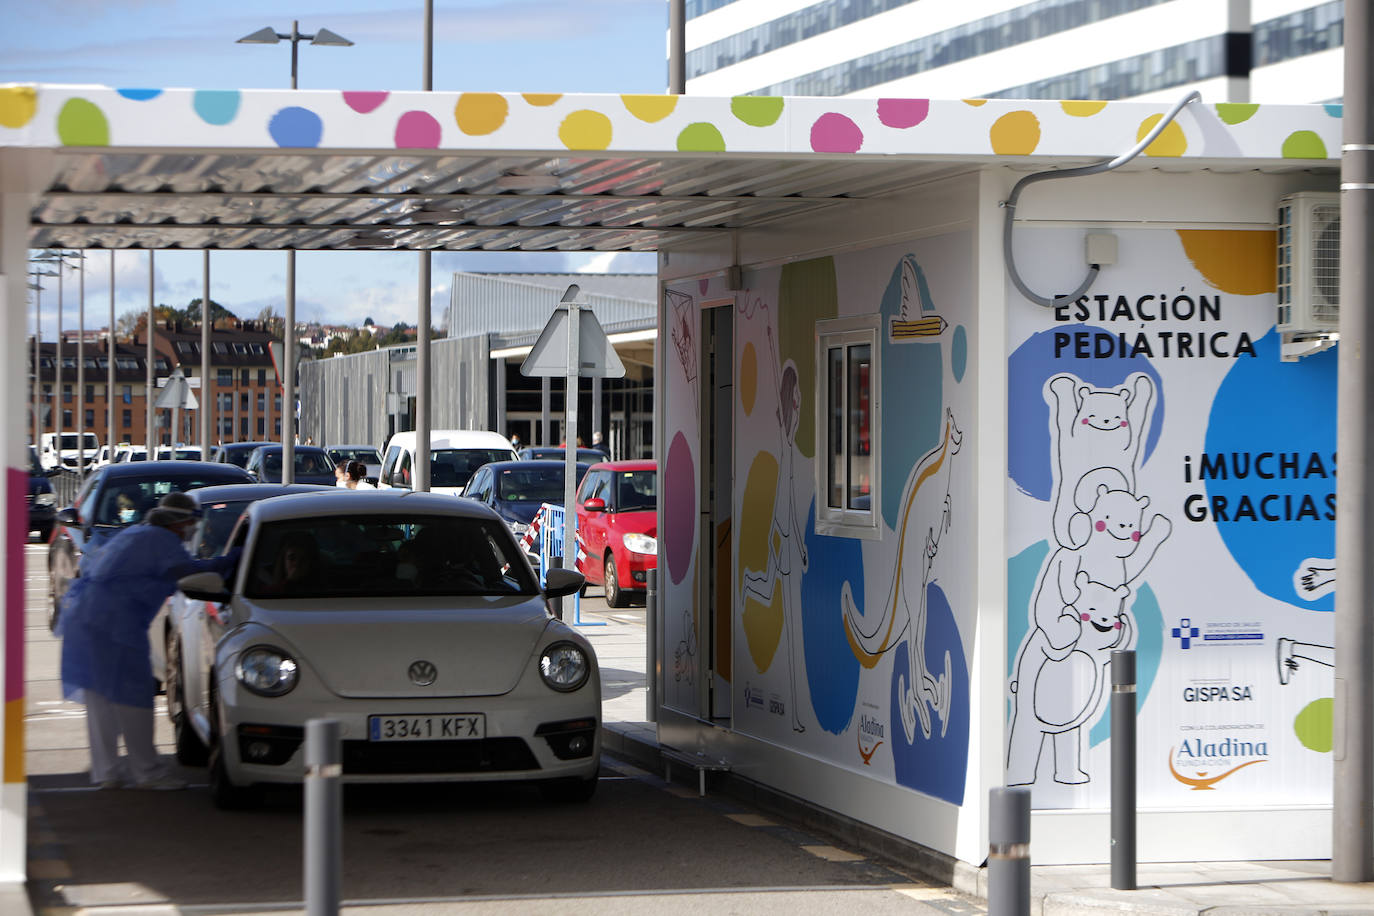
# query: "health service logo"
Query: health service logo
1196,751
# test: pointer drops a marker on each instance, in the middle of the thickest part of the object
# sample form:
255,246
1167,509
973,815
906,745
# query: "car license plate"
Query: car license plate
456,726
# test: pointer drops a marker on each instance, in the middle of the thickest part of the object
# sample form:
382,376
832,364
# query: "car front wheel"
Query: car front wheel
190,751
615,595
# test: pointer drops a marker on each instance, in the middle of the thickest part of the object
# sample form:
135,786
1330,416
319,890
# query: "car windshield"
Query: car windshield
238,456
73,441
636,490
386,556
451,467
365,455
306,462
536,485
216,524
125,502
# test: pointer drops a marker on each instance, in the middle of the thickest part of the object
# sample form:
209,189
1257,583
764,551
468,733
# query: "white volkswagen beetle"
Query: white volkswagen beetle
411,618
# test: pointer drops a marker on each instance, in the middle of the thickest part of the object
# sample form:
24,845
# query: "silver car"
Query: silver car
411,618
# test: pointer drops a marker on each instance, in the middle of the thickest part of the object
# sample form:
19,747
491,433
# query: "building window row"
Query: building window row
1319,28
697,8
1283,38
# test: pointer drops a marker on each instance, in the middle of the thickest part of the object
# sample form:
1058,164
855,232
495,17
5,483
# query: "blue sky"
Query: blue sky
494,45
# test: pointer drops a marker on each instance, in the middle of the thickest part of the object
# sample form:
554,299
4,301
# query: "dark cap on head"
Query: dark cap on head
172,509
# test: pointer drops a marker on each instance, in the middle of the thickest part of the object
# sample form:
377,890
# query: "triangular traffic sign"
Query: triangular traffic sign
595,355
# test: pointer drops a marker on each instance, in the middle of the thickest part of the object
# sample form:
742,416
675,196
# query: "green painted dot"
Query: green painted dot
1304,144
1313,725
1235,112
700,137
82,123
757,110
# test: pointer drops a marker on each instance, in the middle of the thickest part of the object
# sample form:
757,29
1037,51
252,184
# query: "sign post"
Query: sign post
573,345
176,394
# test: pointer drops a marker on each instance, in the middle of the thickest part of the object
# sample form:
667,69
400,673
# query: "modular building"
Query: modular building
908,511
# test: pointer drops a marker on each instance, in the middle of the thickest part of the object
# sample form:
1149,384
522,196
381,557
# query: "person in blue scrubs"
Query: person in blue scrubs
104,628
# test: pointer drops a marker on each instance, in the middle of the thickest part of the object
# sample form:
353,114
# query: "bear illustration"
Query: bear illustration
1056,692
1114,551
1093,430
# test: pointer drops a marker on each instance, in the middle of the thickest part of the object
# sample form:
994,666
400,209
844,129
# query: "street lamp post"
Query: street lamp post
40,271
270,36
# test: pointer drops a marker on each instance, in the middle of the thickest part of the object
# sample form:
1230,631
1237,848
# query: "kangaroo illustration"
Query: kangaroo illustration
926,516
1057,691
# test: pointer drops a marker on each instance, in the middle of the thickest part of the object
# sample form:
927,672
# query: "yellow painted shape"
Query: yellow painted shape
650,108
1242,262
541,99
1082,108
976,103
762,623
748,378
480,113
1171,141
14,741
17,105
585,129
1016,133
807,293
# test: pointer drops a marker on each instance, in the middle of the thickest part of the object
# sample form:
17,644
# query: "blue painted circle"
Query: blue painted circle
139,95
958,353
295,126
216,106
832,671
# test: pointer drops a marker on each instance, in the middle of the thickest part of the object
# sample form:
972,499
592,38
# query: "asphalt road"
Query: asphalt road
639,845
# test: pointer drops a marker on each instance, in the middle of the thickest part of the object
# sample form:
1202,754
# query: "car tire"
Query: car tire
190,750
615,595
570,790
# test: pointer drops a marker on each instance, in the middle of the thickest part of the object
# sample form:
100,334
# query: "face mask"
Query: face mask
128,515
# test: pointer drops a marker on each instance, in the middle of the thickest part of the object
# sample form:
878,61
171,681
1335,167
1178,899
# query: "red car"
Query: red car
617,527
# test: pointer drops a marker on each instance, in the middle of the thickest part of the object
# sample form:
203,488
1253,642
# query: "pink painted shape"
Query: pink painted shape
704,284
364,102
902,113
834,133
1135,535
1085,616
17,531
1101,526
418,130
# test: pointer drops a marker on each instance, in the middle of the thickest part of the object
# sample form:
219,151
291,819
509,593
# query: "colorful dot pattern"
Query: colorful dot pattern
993,129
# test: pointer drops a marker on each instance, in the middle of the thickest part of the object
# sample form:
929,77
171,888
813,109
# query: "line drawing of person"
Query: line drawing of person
786,536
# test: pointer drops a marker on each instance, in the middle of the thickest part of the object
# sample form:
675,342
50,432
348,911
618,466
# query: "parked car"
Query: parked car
182,453
220,508
311,464
69,451
617,527
515,490
114,497
129,453
412,620
235,452
364,453
539,452
453,455
42,500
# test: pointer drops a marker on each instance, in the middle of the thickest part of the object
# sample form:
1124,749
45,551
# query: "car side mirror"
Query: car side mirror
67,516
595,504
559,583
204,586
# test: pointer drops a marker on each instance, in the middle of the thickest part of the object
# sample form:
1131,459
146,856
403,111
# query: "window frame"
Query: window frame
844,333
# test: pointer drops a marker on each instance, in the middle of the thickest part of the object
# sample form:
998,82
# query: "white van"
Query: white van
453,455
68,455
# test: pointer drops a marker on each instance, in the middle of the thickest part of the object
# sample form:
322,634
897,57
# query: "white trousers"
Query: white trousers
106,722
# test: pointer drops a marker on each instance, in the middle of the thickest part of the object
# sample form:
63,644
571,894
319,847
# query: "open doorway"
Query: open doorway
717,496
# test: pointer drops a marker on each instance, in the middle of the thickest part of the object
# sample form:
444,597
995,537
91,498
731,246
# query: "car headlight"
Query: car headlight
564,667
45,499
267,671
641,543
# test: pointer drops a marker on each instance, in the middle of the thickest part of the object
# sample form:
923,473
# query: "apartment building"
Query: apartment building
1272,51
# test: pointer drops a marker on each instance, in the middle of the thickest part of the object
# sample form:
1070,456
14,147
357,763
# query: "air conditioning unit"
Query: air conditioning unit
1309,262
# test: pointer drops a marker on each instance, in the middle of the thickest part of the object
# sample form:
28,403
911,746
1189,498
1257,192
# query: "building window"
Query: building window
224,377
90,392
277,432
276,403
127,393
243,401
90,418
127,420
219,346
67,419
66,394
262,426
262,402
243,427
243,376
262,376
847,406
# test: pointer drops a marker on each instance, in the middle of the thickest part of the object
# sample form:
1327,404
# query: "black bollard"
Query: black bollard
1123,769
323,816
1009,819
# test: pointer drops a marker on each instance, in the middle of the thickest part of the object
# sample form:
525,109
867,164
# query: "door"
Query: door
717,489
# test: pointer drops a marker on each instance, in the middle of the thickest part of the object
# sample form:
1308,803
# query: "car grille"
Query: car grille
486,755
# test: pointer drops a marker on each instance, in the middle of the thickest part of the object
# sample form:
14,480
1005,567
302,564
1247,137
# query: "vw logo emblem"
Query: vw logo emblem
423,673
